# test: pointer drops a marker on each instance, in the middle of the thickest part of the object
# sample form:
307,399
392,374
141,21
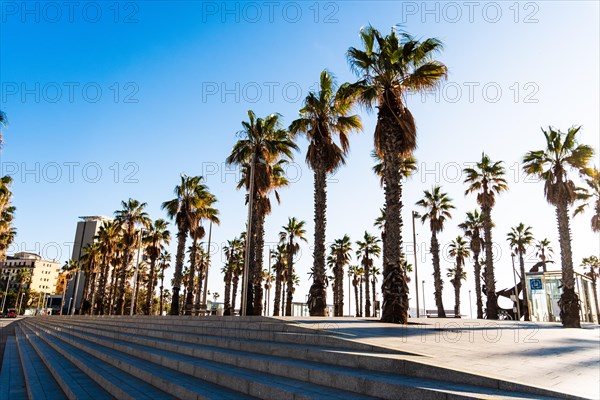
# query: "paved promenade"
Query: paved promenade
537,354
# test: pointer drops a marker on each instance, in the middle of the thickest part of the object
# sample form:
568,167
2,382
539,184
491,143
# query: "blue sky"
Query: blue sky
108,101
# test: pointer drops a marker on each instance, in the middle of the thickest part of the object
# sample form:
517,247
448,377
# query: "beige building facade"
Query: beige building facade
44,273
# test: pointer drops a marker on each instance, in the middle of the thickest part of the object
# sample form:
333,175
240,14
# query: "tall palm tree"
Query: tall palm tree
437,207
190,195
408,165
487,180
374,272
108,237
367,249
164,262
292,231
268,278
357,274
155,239
593,265
90,264
543,250
552,164
7,231
232,257
588,195
459,250
472,227
389,67
519,238
341,254
279,266
324,116
267,146
130,216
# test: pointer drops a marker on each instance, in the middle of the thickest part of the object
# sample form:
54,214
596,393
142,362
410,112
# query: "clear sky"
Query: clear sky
111,100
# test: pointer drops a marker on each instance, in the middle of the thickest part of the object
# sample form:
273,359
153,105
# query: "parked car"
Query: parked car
12,313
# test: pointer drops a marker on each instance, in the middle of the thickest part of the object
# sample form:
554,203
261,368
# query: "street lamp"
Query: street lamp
416,215
5,292
512,256
424,308
207,266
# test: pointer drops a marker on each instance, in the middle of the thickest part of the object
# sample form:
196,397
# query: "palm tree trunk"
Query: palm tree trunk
395,297
120,308
189,298
236,279
374,297
181,237
336,295
491,306
112,291
367,281
290,277
477,273
569,301
340,289
137,290
277,299
102,284
258,266
525,308
356,299
360,283
227,296
595,289
317,298
151,285
162,291
437,275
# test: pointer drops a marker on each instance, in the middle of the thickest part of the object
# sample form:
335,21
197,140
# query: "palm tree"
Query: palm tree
357,273
437,207
519,238
279,266
190,194
543,250
408,165
164,261
592,192
374,272
292,231
341,254
130,217
90,264
367,248
155,239
487,180
390,67
459,250
108,236
268,278
325,115
472,227
552,164
593,264
265,145
7,231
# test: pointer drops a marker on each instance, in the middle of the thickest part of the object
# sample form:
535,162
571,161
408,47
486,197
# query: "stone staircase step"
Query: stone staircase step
177,384
366,382
12,380
73,382
39,381
254,383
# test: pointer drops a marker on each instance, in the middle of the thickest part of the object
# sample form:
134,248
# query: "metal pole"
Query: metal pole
20,302
512,256
470,305
248,237
207,266
424,308
70,301
135,275
415,215
349,295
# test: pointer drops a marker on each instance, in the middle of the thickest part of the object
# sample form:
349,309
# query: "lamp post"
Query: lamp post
5,292
512,256
424,308
414,216
248,238
470,305
135,275
20,302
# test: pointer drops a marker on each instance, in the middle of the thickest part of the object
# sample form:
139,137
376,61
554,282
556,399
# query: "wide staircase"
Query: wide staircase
221,358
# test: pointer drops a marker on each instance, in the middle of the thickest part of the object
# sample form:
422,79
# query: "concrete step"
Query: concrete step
254,383
366,382
12,379
410,366
73,382
146,380
39,382
272,331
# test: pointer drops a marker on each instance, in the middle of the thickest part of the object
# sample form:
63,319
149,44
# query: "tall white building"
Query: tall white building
84,234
